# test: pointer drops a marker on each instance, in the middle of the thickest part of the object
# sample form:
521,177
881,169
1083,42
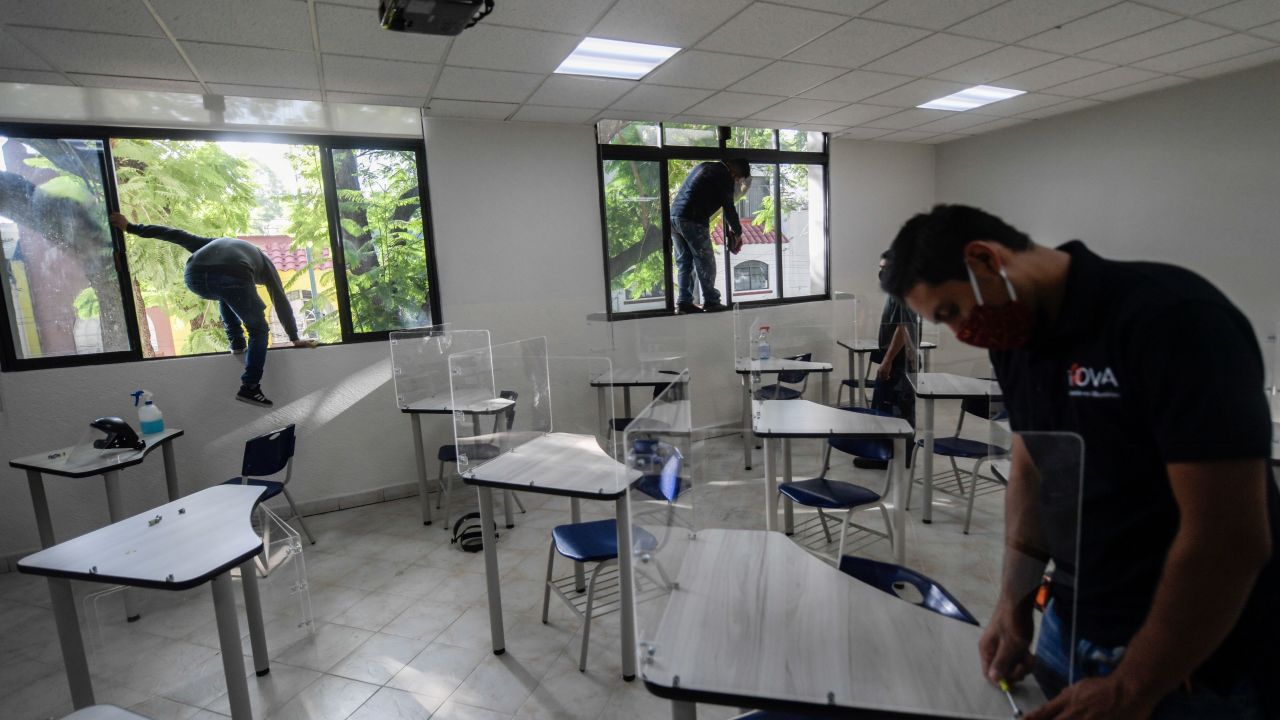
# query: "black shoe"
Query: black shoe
253,396
714,307
869,464
239,350
687,309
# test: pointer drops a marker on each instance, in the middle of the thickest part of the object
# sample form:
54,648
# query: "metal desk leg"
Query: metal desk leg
626,401
508,514
253,611
421,459
40,503
579,571
626,592
492,584
224,607
170,470
770,487
927,450
605,430
788,509
746,421
115,511
853,364
826,388
900,482
924,361
681,710
73,657
859,391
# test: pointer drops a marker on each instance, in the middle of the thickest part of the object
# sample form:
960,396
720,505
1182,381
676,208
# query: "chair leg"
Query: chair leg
586,618
448,503
826,460
888,524
440,482
519,504
822,518
844,532
303,523
911,474
973,488
959,480
546,586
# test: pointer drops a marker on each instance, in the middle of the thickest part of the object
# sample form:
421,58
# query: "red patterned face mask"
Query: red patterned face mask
997,327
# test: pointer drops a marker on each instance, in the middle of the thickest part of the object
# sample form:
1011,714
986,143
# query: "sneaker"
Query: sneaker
253,396
239,350
869,464
687,309
716,306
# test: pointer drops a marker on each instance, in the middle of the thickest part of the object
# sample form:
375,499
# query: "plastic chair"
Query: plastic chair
956,447
267,455
780,389
479,451
619,425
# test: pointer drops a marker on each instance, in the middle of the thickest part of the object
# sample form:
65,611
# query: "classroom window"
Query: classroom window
783,214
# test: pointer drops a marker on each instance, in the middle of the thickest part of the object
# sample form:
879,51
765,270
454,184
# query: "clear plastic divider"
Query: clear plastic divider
500,399
420,363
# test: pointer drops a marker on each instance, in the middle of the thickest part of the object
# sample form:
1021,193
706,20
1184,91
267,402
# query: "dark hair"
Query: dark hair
930,246
739,166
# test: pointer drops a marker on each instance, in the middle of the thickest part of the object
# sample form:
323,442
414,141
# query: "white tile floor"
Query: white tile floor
401,619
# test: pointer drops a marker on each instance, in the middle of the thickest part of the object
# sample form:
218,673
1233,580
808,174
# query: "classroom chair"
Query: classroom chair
783,390
956,447
266,455
479,451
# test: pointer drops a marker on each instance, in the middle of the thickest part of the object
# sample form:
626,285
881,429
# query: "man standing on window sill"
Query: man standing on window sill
709,187
229,270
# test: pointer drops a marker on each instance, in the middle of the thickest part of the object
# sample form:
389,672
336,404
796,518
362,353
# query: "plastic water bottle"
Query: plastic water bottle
149,416
763,343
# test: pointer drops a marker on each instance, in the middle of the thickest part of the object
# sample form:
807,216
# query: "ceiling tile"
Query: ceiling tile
787,78
857,43
1022,104
906,136
73,51
1055,73
1210,52
579,91
1158,83
1059,109
260,91
931,54
856,85
861,133
854,115
1018,19
1100,28
351,31
37,77
253,66
498,48
632,115
1237,63
15,55
661,99
1006,61
281,24
704,120
377,77
367,99
731,104
1186,7
1270,31
542,113
570,16
678,23
997,124
458,83
1102,82
468,109
1176,36
126,17
948,137
711,71
136,83
768,30
1244,14
798,110
956,122
915,93
930,14
908,119
842,7
815,127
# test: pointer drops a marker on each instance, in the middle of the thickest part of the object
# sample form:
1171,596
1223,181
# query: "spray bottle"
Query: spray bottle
763,343
149,416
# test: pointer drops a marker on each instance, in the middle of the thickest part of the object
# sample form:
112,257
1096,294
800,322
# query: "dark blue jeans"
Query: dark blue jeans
692,243
242,309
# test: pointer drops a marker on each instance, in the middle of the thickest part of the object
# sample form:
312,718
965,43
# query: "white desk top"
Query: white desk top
635,377
62,462
557,464
472,403
756,617
804,418
198,537
777,365
946,386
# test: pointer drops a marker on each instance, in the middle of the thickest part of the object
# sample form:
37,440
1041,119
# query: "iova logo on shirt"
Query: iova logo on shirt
1090,382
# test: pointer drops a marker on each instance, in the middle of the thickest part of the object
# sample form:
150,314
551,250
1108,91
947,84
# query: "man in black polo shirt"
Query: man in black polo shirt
1177,580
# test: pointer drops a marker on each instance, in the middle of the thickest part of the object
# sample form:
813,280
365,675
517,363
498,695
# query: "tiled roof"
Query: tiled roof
285,259
752,234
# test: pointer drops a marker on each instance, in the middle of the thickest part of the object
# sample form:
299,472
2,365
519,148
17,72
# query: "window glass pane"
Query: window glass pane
757,138
62,290
759,239
633,225
677,172
267,194
750,275
627,132
383,239
691,135
800,140
804,249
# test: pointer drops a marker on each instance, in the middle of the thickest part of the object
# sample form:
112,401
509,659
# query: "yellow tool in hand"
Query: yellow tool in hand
1004,687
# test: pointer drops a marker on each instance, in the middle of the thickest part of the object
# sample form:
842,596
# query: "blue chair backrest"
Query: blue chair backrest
669,483
885,576
268,453
793,377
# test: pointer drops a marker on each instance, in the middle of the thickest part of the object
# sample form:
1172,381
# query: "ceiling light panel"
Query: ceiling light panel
615,58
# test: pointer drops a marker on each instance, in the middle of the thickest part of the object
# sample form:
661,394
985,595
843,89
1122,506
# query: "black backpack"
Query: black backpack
467,533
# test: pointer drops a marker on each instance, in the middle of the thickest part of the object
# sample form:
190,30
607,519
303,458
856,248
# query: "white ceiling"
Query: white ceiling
855,68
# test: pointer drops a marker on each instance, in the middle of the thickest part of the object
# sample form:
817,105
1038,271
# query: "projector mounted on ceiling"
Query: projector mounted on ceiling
432,17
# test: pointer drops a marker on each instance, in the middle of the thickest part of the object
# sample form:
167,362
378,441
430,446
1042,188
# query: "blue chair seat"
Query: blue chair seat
828,494
484,451
965,448
273,488
596,541
651,485
777,392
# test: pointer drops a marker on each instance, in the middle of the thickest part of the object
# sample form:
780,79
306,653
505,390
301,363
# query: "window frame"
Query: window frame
662,153
9,360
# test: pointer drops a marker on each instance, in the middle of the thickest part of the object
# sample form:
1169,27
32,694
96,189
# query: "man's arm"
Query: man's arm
1221,545
188,241
731,212
280,301
896,343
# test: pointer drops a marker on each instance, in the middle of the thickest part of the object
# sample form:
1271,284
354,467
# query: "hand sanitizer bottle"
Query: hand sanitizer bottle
149,416
763,343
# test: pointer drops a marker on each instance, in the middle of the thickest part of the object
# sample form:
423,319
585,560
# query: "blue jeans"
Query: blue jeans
242,309
692,243
1242,702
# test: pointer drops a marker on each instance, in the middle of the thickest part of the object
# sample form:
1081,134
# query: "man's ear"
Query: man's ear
983,254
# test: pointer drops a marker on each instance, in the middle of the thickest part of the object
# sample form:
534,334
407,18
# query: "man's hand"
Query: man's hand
884,369
1005,647
735,242
1095,699
305,343
118,221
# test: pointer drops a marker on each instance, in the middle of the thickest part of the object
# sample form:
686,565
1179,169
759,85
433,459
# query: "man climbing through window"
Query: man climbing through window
709,187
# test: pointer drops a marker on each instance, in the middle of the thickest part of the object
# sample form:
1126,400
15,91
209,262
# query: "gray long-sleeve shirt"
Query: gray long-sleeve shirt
232,256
